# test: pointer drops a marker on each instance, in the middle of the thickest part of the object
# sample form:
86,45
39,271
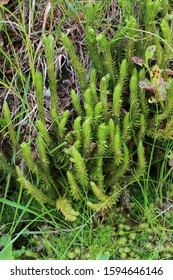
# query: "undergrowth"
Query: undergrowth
97,159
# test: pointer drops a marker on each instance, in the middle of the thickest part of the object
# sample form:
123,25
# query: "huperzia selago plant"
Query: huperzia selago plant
93,157
91,160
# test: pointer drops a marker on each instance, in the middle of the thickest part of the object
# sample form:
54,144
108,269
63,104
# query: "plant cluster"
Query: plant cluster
102,150
120,240
94,152
111,137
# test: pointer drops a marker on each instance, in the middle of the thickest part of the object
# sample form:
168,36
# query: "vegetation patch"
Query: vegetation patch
86,129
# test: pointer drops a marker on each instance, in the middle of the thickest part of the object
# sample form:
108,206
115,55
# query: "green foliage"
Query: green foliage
4,166
132,34
115,238
75,190
99,169
117,147
134,101
151,10
10,126
76,103
141,161
96,158
43,132
100,145
109,63
32,189
43,155
126,133
127,7
80,71
93,89
117,100
27,155
104,256
96,155
87,137
91,41
40,94
64,206
7,252
156,82
95,12
62,123
79,166
49,52
168,39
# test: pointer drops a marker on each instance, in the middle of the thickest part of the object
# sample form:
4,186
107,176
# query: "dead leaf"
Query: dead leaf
4,2
146,84
138,60
169,72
